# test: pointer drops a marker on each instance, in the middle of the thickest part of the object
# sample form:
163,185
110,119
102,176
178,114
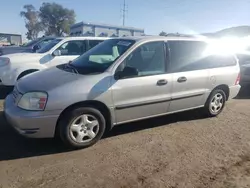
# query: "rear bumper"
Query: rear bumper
31,124
233,91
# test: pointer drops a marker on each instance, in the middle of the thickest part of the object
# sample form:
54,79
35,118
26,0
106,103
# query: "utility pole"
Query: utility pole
124,10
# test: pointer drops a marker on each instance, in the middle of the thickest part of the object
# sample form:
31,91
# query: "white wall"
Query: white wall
76,30
88,29
98,30
138,33
124,32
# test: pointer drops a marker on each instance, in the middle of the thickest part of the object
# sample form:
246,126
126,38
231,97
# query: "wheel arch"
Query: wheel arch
24,72
225,88
90,103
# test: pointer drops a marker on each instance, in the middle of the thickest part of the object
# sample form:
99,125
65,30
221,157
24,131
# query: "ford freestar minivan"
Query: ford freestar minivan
121,80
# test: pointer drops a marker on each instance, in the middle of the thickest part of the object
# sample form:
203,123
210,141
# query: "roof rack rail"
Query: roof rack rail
180,35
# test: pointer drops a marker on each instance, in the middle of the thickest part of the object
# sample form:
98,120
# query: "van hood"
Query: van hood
53,78
20,57
14,49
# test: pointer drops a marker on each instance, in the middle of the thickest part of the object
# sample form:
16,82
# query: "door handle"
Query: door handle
182,79
162,82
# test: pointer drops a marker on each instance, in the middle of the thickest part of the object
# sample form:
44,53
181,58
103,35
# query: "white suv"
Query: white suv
58,51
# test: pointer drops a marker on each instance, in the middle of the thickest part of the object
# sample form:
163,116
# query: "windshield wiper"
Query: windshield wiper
72,67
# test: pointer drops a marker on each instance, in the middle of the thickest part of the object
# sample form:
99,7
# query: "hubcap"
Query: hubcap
84,128
216,103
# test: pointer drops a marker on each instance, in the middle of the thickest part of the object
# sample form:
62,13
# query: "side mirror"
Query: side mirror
127,72
57,53
35,48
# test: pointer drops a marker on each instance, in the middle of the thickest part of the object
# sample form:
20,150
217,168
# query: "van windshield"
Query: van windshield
48,46
99,58
31,43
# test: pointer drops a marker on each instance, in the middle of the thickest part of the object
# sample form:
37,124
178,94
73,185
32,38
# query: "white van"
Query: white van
58,51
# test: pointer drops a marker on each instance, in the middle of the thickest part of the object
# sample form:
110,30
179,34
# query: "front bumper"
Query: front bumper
33,124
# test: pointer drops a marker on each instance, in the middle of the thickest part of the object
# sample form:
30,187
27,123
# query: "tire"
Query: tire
74,131
25,73
216,98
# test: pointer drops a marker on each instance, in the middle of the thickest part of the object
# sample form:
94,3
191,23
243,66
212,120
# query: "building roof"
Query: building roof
10,34
80,24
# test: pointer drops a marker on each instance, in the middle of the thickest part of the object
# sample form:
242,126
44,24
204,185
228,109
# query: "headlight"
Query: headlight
33,101
4,61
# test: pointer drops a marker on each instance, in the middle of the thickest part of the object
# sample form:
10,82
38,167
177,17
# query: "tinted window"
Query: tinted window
31,43
189,56
50,45
73,48
93,43
147,59
243,59
44,43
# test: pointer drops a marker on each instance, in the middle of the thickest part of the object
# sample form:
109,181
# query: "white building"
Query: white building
103,30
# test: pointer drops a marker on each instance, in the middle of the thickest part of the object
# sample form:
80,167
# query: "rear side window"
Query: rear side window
189,56
93,43
73,47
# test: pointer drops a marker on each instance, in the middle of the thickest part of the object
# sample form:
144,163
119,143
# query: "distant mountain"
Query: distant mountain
239,31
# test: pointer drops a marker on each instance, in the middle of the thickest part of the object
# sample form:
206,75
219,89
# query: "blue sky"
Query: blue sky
184,16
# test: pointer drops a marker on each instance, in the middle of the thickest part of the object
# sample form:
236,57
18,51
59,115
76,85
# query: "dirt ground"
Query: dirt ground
177,151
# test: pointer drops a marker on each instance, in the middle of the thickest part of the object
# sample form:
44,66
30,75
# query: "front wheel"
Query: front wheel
82,127
215,103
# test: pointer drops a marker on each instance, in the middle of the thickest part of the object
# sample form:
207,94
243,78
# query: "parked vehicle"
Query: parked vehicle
121,80
244,61
59,51
31,46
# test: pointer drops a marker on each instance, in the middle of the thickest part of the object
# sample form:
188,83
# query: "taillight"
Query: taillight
237,82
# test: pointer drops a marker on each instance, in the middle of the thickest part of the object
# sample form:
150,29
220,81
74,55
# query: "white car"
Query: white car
58,51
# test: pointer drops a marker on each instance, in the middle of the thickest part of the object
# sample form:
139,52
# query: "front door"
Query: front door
190,74
69,51
146,92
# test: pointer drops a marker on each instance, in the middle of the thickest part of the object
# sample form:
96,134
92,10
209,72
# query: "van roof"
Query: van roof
181,37
80,37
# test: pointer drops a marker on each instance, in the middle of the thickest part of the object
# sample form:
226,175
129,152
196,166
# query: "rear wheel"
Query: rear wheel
215,103
82,127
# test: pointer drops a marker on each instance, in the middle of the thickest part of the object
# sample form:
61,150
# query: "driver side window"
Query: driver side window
73,48
148,59
44,43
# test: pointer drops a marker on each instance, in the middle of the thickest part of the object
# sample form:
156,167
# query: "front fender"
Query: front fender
11,75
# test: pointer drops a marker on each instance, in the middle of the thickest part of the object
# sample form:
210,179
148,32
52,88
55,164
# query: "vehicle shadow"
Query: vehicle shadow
244,92
4,91
14,146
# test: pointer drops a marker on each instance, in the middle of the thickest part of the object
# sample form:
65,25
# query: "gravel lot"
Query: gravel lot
177,151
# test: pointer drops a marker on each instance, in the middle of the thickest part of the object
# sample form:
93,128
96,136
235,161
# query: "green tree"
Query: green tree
32,23
56,19
162,33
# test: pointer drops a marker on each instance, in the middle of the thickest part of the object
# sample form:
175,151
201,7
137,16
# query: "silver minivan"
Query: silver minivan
121,80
